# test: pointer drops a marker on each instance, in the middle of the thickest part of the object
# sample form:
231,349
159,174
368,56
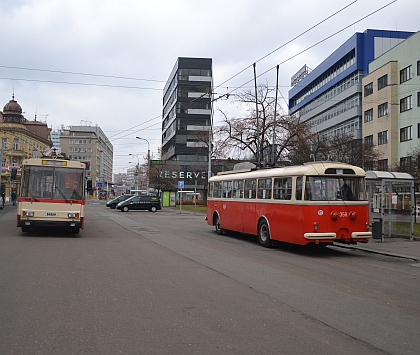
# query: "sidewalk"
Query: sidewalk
397,247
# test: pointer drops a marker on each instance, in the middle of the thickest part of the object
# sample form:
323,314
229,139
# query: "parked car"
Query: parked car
115,201
150,203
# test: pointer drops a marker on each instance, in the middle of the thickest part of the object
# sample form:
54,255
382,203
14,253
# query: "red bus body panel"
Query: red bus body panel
295,223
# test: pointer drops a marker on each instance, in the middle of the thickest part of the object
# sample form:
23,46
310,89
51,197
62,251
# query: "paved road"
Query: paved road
165,283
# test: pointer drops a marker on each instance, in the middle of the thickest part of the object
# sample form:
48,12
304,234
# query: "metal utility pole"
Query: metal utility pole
275,120
258,119
148,162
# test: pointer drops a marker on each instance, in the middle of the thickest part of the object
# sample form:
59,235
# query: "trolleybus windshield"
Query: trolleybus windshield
52,182
335,188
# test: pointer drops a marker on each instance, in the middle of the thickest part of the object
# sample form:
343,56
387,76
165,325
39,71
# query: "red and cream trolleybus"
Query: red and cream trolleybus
315,203
51,194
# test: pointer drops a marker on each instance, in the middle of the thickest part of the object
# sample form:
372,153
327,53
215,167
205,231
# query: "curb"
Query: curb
381,252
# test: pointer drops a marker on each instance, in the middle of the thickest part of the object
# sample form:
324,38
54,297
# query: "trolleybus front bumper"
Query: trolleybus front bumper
55,224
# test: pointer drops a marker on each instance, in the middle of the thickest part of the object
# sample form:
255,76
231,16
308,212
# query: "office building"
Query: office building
391,104
329,98
90,145
186,116
55,138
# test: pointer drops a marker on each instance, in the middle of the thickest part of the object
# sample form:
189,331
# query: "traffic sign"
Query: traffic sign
180,184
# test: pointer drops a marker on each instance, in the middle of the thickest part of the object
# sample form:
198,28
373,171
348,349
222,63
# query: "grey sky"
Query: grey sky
127,49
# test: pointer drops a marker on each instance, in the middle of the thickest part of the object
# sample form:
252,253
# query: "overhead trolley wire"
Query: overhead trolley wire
288,42
312,46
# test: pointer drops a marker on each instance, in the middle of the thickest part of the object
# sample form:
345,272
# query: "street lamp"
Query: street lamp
148,161
138,169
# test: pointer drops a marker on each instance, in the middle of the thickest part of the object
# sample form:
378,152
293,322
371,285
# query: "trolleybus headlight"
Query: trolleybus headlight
334,215
73,215
353,215
27,213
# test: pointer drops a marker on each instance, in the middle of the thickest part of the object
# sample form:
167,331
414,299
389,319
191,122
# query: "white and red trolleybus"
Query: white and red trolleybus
51,194
315,203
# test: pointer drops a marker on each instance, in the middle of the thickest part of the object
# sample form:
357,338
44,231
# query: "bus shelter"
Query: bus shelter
392,204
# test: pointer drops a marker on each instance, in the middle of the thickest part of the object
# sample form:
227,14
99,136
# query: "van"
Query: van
114,202
150,203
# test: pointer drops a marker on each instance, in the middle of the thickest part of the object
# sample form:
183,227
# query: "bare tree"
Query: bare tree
411,165
343,148
159,180
253,134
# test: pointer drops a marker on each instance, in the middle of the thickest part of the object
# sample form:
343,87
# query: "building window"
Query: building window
4,143
369,115
383,109
405,163
418,99
406,134
369,89
418,67
15,144
383,137
418,130
383,164
382,82
368,165
405,74
369,141
406,104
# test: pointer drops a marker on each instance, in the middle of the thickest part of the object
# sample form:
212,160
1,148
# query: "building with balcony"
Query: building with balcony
186,116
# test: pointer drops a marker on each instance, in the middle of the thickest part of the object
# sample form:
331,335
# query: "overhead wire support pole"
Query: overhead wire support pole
258,119
275,119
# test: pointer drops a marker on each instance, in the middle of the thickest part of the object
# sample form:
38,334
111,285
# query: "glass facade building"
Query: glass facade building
329,98
186,113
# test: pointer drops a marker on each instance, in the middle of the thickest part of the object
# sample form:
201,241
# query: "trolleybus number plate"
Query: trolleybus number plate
51,214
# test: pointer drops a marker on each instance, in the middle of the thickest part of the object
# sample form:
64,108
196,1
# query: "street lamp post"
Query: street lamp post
148,161
138,170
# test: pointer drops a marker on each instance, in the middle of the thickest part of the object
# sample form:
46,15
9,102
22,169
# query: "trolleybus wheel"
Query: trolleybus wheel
125,209
216,223
25,229
264,234
75,230
153,209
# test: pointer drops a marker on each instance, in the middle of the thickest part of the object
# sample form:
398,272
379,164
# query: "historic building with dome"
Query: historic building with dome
20,139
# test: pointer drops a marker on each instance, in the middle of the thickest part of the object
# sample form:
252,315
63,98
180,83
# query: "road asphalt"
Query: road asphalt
395,247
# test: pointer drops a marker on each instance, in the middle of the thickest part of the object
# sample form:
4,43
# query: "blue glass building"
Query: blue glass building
329,98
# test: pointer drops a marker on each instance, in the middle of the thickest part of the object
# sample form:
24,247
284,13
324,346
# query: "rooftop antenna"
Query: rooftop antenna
86,123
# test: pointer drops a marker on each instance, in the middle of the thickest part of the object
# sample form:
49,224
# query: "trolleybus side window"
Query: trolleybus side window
299,188
227,189
210,189
238,189
264,188
250,188
283,188
217,192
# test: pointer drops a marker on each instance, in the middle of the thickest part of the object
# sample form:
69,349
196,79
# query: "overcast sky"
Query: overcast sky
105,62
